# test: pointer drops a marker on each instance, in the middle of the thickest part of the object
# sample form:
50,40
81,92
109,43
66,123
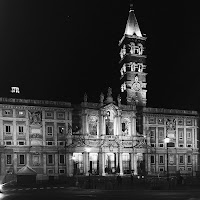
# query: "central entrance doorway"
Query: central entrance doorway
110,164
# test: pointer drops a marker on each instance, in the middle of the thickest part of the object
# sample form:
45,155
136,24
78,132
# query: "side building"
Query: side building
33,133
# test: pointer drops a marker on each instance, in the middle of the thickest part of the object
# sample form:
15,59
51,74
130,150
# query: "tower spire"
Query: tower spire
133,62
132,26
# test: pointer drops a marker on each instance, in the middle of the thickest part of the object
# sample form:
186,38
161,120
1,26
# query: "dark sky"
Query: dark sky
58,50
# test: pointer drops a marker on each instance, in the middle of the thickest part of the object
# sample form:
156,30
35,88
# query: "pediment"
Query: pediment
110,106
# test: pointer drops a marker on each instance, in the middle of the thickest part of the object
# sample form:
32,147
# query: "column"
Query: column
165,157
193,165
86,163
149,162
3,164
193,138
133,126
55,133
71,164
56,163
15,161
185,161
27,132
184,136
103,164
43,129
67,164
1,131
196,163
120,164
157,162
177,162
145,155
45,163
28,158
132,161
156,135
135,164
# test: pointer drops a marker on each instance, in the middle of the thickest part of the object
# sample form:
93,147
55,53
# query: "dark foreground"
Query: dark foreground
57,193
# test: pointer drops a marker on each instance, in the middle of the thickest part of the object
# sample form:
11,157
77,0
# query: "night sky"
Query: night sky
58,50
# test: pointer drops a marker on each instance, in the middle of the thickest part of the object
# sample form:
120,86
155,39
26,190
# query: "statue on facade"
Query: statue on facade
85,98
101,97
109,124
119,100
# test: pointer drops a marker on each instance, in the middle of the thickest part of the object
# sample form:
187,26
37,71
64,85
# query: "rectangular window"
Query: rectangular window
8,159
61,130
50,130
152,159
153,144
21,142
161,159
181,145
152,134
50,171
180,122
20,113
49,114
189,145
160,134
21,159
189,135
180,134
161,145
8,129
62,159
181,168
161,169
61,143
188,122
123,126
7,142
189,159
61,115
160,121
21,130
181,159
61,171
152,120
189,169
50,143
50,159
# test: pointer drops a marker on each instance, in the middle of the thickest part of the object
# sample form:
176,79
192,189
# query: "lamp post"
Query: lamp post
166,140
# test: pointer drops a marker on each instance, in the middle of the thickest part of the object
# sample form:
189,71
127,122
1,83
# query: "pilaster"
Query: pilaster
14,131
56,163
135,164
45,163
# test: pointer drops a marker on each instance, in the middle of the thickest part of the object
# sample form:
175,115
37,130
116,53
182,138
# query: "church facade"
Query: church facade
105,138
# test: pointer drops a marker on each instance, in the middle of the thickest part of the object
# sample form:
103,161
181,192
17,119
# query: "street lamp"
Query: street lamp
166,140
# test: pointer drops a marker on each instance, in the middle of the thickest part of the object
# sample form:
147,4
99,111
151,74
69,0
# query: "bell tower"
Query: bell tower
132,62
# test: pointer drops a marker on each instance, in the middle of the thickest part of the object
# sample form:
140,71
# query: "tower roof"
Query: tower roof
132,26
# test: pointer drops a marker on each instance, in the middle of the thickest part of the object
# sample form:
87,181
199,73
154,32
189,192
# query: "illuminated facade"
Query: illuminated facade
105,138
